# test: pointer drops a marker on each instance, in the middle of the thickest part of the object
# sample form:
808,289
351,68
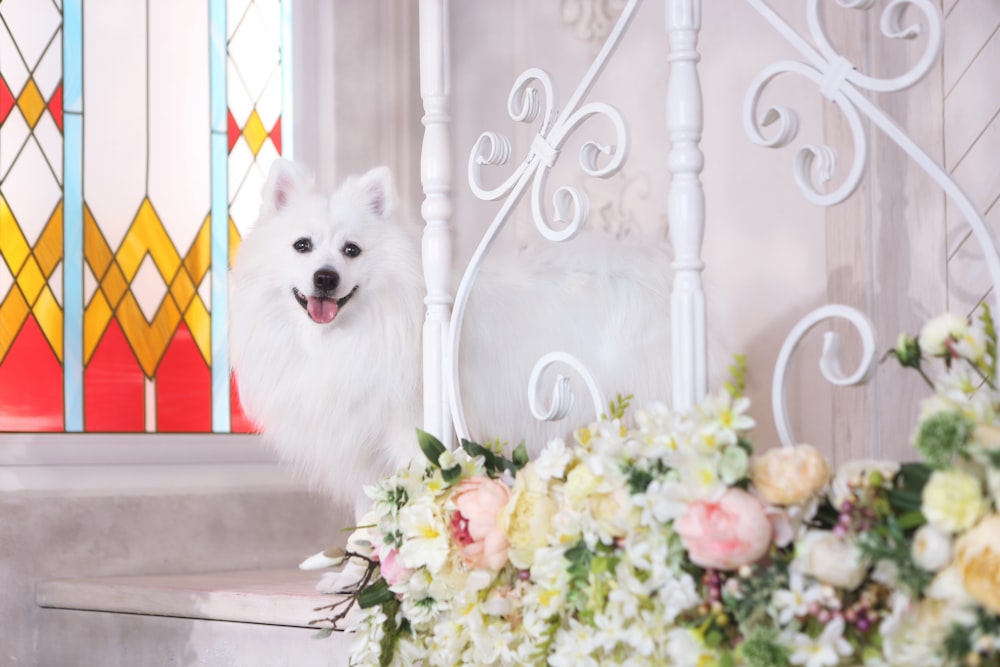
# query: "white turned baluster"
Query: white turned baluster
686,204
435,175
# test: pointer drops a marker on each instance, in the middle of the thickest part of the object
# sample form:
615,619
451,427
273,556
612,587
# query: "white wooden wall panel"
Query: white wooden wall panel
898,248
972,139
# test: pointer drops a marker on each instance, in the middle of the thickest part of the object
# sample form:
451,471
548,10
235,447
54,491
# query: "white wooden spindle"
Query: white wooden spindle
435,176
686,205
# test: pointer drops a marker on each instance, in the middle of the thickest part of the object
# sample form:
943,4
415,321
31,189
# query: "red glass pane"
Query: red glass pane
56,107
113,385
183,387
234,131
276,135
31,384
6,100
240,422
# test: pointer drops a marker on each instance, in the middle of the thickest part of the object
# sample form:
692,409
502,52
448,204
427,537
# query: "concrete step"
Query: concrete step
245,619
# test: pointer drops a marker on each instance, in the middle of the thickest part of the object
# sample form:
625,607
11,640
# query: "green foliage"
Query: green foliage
433,449
989,329
941,438
376,594
392,629
750,606
618,407
738,372
641,473
888,542
761,649
497,464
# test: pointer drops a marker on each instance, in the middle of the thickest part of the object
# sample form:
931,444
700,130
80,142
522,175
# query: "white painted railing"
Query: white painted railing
533,98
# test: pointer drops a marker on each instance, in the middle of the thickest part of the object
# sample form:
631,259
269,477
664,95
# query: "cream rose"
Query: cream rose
789,475
977,557
527,518
833,560
936,334
953,500
931,548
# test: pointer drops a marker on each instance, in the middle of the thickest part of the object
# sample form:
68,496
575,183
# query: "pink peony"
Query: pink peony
481,541
726,533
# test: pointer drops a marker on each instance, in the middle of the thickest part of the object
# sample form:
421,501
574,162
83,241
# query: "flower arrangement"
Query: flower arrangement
662,540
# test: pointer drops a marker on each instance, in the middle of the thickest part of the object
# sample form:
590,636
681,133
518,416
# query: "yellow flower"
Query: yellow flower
953,500
977,556
527,518
789,475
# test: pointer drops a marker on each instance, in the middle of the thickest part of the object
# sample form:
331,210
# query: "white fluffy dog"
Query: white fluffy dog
327,312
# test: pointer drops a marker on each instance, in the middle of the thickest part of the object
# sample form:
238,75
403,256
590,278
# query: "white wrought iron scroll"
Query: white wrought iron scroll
533,98
435,175
843,84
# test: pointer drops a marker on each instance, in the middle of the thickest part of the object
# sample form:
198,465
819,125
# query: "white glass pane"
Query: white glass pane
179,160
114,98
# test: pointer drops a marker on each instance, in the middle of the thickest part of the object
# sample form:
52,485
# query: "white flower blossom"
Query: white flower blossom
826,650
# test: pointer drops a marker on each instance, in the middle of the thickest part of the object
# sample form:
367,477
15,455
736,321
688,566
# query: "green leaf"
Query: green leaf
495,464
909,520
451,475
430,446
520,456
323,633
376,594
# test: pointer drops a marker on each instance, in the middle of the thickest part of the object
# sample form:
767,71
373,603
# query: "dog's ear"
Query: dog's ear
283,180
378,191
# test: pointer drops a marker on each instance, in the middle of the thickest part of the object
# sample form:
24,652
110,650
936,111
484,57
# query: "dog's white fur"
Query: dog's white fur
342,399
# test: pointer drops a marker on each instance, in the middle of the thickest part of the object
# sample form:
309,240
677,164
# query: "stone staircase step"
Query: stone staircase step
245,618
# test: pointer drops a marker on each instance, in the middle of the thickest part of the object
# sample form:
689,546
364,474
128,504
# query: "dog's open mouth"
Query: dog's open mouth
322,309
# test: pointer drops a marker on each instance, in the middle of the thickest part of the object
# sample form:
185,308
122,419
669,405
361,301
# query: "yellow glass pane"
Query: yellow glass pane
182,289
114,285
200,324
50,319
13,310
15,246
95,320
95,248
254,132
148,341
31,103
200,255
48,250
31,280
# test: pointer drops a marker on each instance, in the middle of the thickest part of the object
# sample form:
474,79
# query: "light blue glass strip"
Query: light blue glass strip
287,106
73,214
217,64
72,56
219,232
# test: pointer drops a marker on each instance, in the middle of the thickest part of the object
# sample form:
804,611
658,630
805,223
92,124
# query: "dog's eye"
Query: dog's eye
351,250
303,245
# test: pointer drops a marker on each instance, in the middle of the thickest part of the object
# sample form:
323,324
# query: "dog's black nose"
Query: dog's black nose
326,280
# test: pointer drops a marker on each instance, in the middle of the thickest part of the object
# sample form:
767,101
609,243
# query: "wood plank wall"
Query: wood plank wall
898,249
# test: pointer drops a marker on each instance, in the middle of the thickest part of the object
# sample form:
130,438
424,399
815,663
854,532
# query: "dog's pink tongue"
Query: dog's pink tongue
322,310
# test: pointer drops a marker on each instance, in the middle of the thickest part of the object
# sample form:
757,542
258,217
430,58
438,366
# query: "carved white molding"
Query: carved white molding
591,20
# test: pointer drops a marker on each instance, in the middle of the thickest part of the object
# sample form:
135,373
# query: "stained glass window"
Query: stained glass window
134,138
